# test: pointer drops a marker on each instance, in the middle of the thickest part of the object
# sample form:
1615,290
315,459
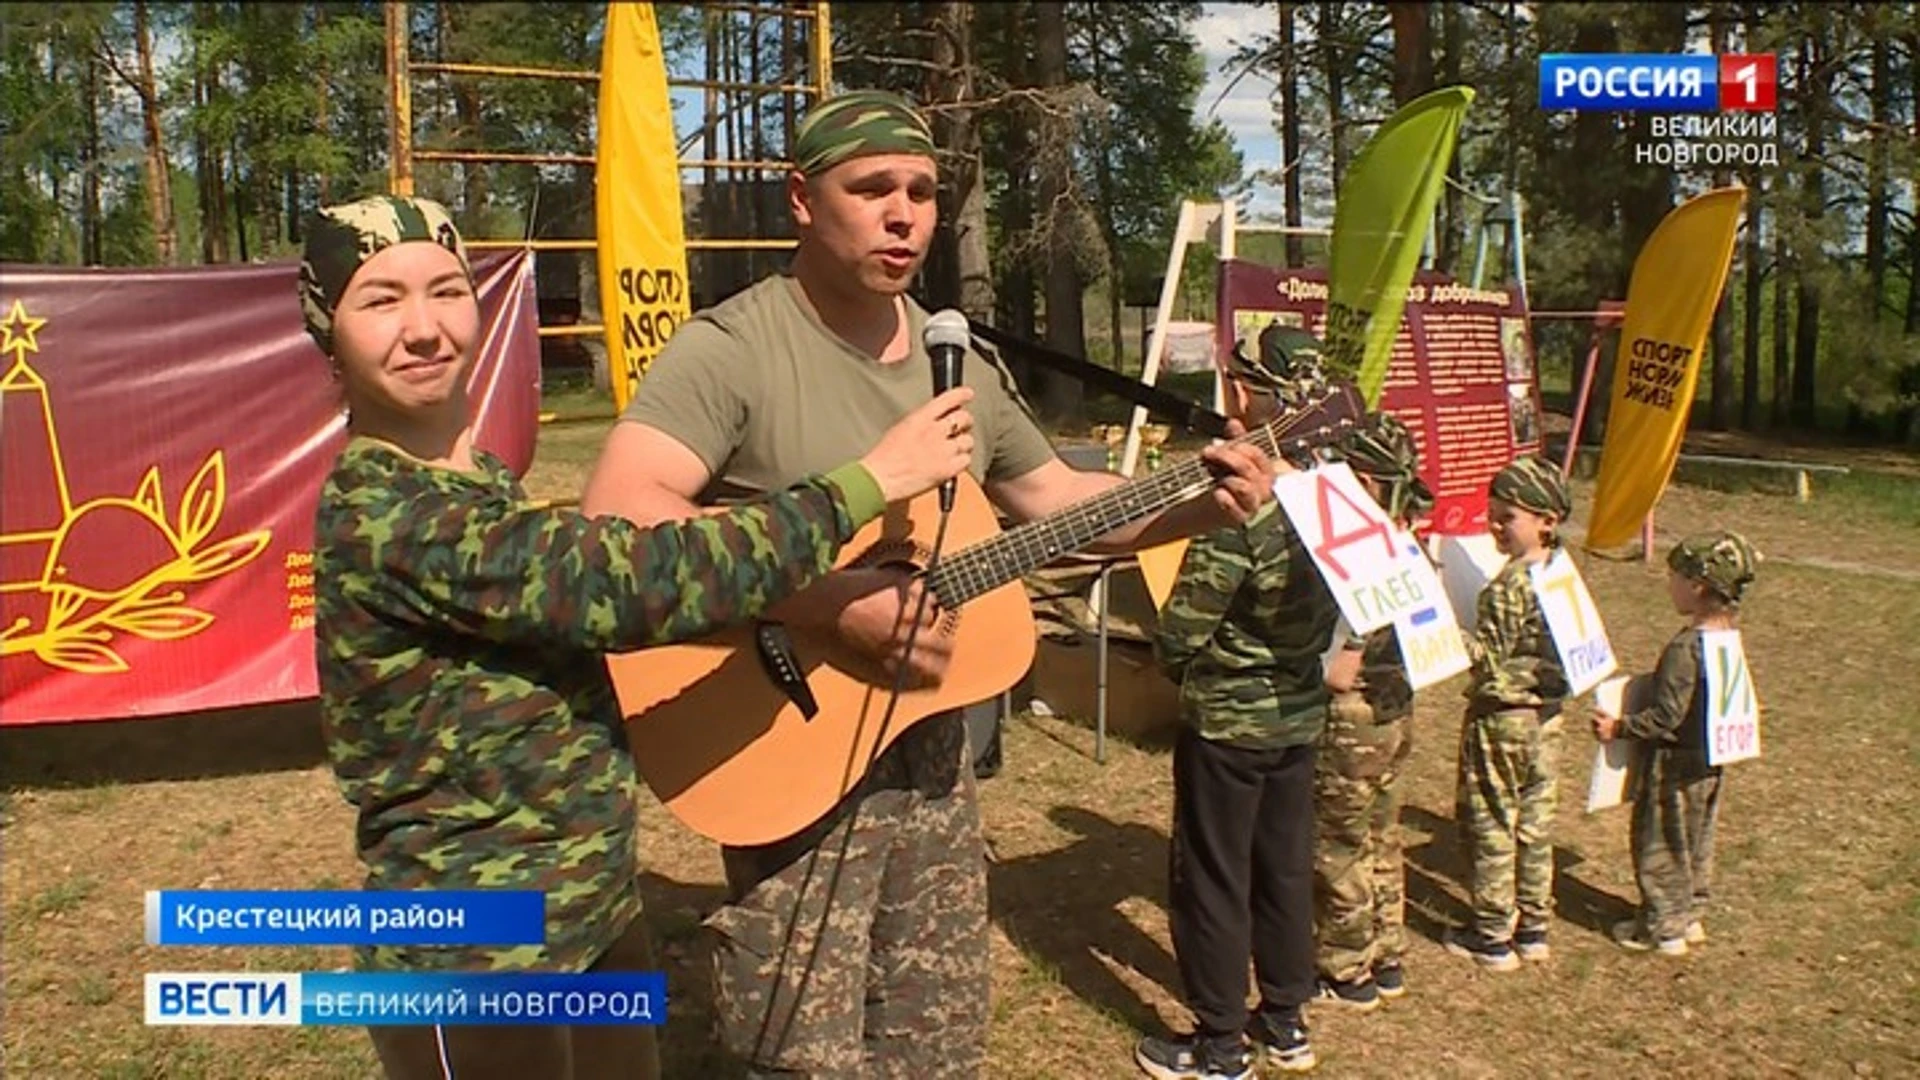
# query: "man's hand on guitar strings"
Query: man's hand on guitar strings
1244,475
875,624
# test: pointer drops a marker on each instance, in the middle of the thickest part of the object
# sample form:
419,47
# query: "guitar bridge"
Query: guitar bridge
777,659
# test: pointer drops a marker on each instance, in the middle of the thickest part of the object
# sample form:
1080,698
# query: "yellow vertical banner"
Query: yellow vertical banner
1675,287
637,212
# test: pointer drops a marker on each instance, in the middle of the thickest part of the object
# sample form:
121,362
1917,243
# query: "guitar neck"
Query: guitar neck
984,567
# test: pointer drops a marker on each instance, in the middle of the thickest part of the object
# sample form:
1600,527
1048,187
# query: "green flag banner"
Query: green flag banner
1380,223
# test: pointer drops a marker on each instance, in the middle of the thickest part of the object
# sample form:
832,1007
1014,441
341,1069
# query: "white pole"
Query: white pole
1156,341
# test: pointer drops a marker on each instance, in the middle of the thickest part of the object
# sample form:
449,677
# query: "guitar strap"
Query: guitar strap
1169,407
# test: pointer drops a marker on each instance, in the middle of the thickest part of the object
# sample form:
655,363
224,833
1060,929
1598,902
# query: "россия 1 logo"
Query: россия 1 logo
1658,82
1716,111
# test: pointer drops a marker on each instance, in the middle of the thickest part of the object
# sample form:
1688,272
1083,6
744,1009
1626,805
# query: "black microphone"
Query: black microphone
946,338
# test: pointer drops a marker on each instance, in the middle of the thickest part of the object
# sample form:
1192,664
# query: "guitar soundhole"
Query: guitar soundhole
909,556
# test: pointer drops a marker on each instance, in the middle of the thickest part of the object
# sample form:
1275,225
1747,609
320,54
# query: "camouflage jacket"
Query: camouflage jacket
467,712
1243,634
1515,662
1383,683
1676,713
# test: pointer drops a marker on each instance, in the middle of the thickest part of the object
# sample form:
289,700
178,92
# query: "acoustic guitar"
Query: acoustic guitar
733,755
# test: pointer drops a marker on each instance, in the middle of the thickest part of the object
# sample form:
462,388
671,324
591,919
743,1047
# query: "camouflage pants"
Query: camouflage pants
1508,790
860,948
1358,876
1672,841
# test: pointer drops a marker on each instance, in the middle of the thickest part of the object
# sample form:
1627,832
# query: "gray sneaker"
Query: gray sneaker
1492,955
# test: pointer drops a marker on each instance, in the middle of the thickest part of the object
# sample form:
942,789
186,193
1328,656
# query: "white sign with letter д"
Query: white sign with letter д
1733,709
1578,634
1377,572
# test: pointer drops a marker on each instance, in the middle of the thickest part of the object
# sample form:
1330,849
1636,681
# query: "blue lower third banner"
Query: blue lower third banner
255,998
347,917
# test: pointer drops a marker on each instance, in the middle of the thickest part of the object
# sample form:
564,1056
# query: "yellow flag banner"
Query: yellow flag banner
637,212
1670,300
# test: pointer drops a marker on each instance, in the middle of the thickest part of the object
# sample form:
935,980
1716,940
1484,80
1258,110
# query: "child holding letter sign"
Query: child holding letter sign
1508,781
1677,771
1359,902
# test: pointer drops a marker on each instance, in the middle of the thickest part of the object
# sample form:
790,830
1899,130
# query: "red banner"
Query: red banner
165,434
1462,375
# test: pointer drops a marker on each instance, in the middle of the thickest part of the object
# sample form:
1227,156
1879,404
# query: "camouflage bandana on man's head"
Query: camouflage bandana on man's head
341,238
1531,483
859,124
1722,561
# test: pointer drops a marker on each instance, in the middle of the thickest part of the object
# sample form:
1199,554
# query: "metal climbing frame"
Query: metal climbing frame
797,21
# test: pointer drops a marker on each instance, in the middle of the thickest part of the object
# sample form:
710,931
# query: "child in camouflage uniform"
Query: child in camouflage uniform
1242,635
1510,742
467,714
1359,906
1677,794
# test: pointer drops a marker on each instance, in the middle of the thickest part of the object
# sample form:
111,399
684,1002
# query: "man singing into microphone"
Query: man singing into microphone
861,941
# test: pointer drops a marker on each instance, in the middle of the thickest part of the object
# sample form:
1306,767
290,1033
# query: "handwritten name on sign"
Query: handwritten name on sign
1376,572
1733,709
1578,634
1430,642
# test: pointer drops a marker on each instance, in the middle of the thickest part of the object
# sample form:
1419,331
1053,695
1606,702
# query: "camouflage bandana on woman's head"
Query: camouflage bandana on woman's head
859,124
1531,483
341,238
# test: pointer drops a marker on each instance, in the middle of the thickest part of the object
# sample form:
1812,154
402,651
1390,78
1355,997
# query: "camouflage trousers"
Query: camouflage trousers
1358,874
1672,840
1508,790
859,948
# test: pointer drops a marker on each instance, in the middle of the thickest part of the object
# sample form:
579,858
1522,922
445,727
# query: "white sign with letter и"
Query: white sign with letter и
1733,709
1578,633
1376,571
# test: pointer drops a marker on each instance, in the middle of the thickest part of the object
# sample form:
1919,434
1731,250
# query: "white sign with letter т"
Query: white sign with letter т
1579,635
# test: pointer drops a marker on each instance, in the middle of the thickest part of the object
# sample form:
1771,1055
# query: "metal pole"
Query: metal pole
823,49
1580,401
1100,672
399,102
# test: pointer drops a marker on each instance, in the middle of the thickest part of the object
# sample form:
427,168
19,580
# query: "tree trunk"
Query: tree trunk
1452,227
1782,353
1720,389
1333,62
468,124
323,105
91,253
1912,323
1815,74
1015,298
1880,98
1103,179
209,165
1060,397
159,186
1751,279
1290,130
1412,51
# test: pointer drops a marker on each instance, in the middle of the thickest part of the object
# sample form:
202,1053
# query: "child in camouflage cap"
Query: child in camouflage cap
467,712
1242,634
1359,903
1508,781
1676,797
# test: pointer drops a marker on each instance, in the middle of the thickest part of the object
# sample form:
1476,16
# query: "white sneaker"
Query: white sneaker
1696,933
1629,935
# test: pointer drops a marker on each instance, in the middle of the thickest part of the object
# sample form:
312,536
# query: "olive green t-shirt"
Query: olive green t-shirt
764,393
